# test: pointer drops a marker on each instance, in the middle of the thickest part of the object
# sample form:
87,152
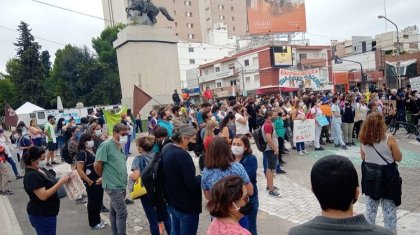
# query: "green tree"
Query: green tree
7,93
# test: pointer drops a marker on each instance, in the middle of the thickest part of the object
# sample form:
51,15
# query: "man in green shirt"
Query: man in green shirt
111,165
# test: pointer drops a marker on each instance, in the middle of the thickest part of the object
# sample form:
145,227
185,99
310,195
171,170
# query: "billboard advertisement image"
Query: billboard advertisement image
281,56
276,16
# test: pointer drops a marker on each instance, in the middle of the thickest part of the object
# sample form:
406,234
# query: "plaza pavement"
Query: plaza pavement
276,216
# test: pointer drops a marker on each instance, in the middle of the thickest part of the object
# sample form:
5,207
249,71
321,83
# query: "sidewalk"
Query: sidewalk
9,224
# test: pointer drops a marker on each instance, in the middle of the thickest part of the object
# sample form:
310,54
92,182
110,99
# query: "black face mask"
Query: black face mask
160,144
247,209
169,118
191,146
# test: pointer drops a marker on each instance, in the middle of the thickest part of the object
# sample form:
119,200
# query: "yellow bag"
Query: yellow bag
138,190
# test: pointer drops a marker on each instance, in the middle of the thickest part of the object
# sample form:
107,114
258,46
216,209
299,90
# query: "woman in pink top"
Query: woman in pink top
228,204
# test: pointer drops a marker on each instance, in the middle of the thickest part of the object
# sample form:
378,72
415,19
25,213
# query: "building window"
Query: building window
216,69
192,61
221,17
218,84
255,61
257,79
247,80
231,8
207,8
176,34
176,24
174,13
173,1
246,62
231,66
190,25
188,14
187,3
233,18
190,49
221,7
233,28
302,56
233,82
208,19
190,36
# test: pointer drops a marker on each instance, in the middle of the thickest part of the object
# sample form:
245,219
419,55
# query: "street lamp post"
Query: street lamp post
398,49
242,74
338,60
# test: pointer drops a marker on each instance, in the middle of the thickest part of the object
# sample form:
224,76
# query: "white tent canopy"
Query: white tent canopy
27,108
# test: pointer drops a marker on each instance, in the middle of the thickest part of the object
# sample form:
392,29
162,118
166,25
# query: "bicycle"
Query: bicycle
394,125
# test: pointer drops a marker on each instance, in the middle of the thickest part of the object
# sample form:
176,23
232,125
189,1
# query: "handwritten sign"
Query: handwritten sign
303,130
293,79
415,83
75,186
389,106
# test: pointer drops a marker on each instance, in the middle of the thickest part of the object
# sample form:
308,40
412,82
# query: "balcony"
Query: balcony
226,91
217,75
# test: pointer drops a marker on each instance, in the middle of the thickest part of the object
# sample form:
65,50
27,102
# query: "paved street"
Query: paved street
277,215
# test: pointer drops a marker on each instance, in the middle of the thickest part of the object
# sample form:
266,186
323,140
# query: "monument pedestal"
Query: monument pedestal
148,57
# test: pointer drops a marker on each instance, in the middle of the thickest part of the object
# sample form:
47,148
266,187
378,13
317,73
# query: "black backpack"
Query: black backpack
152,179
199,146
259,138
65,154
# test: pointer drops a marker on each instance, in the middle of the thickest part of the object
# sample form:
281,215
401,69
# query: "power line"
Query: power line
40,38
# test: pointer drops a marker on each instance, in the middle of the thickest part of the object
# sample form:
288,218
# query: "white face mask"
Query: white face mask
180,113
16,136
301,104
98,132
237,150
90,144
264,110
123,139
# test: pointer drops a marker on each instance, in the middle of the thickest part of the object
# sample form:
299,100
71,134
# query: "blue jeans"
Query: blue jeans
12,162
60,141
278,169
44,225
153,216
252,217
300,146
182,223
127,145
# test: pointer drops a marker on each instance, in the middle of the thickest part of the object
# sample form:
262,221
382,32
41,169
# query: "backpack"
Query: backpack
152,179
65,154
259,138
199,146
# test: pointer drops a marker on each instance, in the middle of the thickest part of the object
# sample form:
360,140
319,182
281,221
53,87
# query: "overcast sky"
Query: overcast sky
326,20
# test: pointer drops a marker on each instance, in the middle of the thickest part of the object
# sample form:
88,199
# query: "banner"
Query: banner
415,83
276,16
140,99
113,118
10,116
303,130
293,79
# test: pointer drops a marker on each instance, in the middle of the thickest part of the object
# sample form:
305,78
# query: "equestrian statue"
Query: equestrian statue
141,8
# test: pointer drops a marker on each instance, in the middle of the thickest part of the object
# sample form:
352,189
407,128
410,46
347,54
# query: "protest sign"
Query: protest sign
389,107
75,186
303,130
415,83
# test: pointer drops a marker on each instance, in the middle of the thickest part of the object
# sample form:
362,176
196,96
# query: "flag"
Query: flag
140,99
10,116
113,118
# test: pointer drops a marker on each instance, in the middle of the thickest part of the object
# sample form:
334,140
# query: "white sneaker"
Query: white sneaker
304,151
301,153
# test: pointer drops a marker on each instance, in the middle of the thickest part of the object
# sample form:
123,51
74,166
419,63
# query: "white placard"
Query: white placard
303,130
415,83
75,186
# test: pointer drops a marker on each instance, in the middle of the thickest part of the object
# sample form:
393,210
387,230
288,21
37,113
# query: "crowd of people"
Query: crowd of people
219,134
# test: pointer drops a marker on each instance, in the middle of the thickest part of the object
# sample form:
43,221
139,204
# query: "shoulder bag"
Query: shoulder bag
382,181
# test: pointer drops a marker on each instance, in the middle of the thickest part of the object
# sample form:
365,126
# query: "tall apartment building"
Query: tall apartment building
193,18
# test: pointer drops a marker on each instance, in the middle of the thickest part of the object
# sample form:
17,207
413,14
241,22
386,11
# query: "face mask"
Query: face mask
301,104
90,144
237,150
63,122
123,139
264,110
277,104
191,146
16,136
98,133
180,113
169,118
245,210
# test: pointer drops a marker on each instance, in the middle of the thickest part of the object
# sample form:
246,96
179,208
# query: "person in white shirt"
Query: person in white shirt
241,120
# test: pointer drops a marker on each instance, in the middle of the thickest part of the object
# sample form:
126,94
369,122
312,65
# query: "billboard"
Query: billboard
281,56
276,16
